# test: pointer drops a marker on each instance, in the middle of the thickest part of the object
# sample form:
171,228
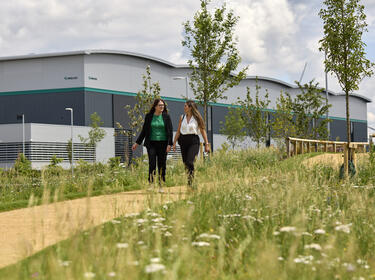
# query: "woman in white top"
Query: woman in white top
191,124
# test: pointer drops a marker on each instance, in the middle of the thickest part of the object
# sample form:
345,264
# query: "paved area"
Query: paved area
24,232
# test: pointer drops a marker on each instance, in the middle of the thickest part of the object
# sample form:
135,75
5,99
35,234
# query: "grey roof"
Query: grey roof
149,57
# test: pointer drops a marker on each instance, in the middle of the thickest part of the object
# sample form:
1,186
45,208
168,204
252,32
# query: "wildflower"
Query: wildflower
349,267
155,260
135,263
200,244
154,267
248,197
141,221
343,228
280,258
140,242
189,202
131,215
165,207
116,222
306,233
287,229
304,259
210,236
313,246
276,233
157,220
122,245
167,234
89,275
320,231
64,263
112,274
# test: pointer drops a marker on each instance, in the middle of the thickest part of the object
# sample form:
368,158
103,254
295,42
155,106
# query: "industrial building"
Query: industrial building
40,87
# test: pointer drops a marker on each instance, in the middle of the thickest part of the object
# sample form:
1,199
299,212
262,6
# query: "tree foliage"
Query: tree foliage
283,124
233,128
255,116
96,134
144,99
214,55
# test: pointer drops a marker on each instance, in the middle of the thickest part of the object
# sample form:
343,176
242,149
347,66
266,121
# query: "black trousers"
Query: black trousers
157,153
189,145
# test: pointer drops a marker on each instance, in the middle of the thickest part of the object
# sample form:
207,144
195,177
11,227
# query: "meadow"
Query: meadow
256,216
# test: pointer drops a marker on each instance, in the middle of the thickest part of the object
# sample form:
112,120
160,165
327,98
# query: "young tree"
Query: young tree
144,100
96,134
255,115
308,107
214,54
283,124
344,23
233,127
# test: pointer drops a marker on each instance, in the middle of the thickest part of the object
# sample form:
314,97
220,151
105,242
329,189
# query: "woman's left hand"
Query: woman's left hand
207,148
168,148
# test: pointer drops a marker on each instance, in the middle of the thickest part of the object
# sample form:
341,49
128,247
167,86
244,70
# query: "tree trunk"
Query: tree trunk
346,163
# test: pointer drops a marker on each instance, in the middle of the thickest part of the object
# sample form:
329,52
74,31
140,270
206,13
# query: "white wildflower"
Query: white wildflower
155,260
200,244
140,242
287,229
157,220
209,236
89,275
189,202
141,221
116,222
154,267
349,266
165,207
131,215
64,263
112,274
135,263
343,228
248,197
313,246
280,258
304,259
167,234
306,233
276,233
320,231
122,245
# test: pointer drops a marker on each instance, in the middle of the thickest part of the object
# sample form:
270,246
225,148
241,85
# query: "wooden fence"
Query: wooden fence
297,146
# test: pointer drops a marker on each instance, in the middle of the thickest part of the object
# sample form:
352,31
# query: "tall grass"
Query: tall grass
255,217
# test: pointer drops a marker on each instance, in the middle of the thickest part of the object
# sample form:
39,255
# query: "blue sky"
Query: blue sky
275,37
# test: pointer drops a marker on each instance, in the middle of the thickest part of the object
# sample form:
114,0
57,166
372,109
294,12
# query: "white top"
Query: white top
190,127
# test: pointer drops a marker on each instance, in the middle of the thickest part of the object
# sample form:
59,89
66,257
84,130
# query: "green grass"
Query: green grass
265,218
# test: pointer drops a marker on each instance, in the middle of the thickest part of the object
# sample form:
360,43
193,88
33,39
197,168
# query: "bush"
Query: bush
22,165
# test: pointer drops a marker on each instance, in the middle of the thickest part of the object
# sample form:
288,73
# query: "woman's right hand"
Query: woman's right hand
174,147
135,145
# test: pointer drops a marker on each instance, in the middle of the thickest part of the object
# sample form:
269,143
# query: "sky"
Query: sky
276,38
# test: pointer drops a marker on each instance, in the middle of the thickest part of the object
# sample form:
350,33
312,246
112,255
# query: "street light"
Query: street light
71,134
22,117
187,84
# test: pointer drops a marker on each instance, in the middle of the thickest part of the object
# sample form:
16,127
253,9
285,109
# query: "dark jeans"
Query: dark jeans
189,150
157,153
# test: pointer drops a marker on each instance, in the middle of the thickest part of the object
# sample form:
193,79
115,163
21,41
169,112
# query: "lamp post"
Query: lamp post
22,117
71,135
186,78
328,125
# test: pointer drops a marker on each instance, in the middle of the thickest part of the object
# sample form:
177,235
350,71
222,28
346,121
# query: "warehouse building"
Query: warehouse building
40,87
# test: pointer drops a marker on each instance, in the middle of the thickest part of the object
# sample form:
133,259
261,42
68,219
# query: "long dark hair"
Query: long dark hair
156,102
197,116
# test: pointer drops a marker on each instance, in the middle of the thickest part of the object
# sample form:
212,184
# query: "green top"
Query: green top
158,129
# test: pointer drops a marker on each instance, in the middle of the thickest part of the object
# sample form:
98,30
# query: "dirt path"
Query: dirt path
333,160
24,232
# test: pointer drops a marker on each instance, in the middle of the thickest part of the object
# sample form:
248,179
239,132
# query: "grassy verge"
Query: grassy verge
264,219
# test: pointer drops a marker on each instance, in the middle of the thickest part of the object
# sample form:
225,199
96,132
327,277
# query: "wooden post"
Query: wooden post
302,147
334,147
287,143
325,147
308,147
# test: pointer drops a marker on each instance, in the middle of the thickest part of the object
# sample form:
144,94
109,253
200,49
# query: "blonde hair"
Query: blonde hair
197,116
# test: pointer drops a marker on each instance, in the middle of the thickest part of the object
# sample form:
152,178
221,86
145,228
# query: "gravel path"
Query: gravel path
24,232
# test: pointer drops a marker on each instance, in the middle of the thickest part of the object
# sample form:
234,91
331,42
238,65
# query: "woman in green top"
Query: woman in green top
157,132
